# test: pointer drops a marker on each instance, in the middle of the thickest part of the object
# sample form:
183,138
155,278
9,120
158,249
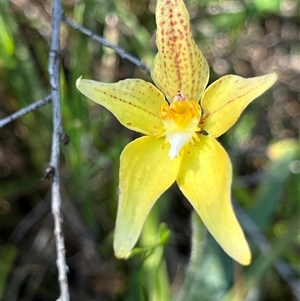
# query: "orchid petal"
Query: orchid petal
134,102
205,178
224,101
179,64
146,171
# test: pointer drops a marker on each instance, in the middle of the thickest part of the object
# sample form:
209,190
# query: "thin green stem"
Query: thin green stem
198,238
154,266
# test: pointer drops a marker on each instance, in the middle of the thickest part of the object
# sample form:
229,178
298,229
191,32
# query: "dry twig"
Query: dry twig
54,68
23,111
123,54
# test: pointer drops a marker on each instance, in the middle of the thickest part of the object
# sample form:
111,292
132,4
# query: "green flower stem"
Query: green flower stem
198,239
154,266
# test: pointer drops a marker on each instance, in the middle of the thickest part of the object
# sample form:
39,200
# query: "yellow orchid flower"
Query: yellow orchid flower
181,121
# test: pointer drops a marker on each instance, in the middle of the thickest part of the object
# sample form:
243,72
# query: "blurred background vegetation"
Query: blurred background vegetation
245,37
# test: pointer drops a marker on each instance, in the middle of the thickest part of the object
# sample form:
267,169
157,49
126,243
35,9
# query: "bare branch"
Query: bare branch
119,50
23,111
54,67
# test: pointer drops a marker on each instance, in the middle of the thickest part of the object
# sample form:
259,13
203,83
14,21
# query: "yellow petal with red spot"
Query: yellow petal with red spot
179,64
205,179
134,102
224,101
146,171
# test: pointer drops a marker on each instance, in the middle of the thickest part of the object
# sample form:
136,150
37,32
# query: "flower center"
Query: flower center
181,120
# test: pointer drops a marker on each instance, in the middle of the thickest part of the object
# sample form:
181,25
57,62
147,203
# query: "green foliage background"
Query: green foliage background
247,38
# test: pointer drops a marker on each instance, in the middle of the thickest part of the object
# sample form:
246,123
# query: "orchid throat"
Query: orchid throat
182,120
